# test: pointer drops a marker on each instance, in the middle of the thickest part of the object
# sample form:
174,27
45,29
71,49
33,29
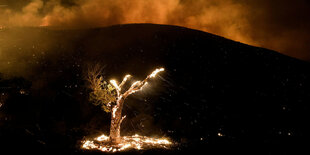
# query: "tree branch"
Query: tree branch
124,81
138,85
120,122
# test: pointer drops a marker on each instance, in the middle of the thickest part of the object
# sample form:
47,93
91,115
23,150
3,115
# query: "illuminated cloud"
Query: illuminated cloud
276,25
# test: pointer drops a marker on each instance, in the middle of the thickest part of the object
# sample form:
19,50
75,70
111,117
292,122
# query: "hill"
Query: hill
214,90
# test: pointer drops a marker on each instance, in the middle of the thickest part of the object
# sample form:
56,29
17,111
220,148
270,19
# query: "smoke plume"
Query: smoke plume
280,24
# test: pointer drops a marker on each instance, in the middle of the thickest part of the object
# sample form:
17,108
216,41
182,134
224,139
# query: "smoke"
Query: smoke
276,25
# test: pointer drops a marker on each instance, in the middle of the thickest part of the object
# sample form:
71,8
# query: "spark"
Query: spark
128,142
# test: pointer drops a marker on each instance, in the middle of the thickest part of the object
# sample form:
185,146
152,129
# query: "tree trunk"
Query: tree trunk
116,120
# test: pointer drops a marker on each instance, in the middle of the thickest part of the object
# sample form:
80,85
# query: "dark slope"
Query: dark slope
212,86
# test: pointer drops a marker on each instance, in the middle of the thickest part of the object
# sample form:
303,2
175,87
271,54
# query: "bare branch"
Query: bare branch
124,81
118,89
122,119
138,85
93,75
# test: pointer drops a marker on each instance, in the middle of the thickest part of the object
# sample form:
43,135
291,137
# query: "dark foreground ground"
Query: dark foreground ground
215,92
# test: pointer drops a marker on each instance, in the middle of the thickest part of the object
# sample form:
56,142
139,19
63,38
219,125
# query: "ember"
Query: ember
137,142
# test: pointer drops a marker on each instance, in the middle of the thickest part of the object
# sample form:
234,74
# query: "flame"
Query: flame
136,141
102,138
154,73
114,110
134,91
114,83
126,77
128,142
124,80
135,84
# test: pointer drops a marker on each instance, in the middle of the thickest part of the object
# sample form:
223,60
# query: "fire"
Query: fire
102,138
156,71
115,142
114,83
113,111
136,86
128,142
124,80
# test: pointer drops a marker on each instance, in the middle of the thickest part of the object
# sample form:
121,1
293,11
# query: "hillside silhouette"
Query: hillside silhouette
214,90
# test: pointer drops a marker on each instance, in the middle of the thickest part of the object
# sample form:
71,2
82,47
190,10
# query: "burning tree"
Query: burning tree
111,96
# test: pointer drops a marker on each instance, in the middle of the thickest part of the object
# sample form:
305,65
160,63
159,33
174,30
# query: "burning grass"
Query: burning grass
136,142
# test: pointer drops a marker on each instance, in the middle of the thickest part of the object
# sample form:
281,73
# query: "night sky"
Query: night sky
281,25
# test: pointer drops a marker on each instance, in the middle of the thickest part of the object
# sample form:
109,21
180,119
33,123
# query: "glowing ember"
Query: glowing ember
137,142
102,138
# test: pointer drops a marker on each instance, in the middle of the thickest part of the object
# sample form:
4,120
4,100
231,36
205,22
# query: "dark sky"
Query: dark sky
282,25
